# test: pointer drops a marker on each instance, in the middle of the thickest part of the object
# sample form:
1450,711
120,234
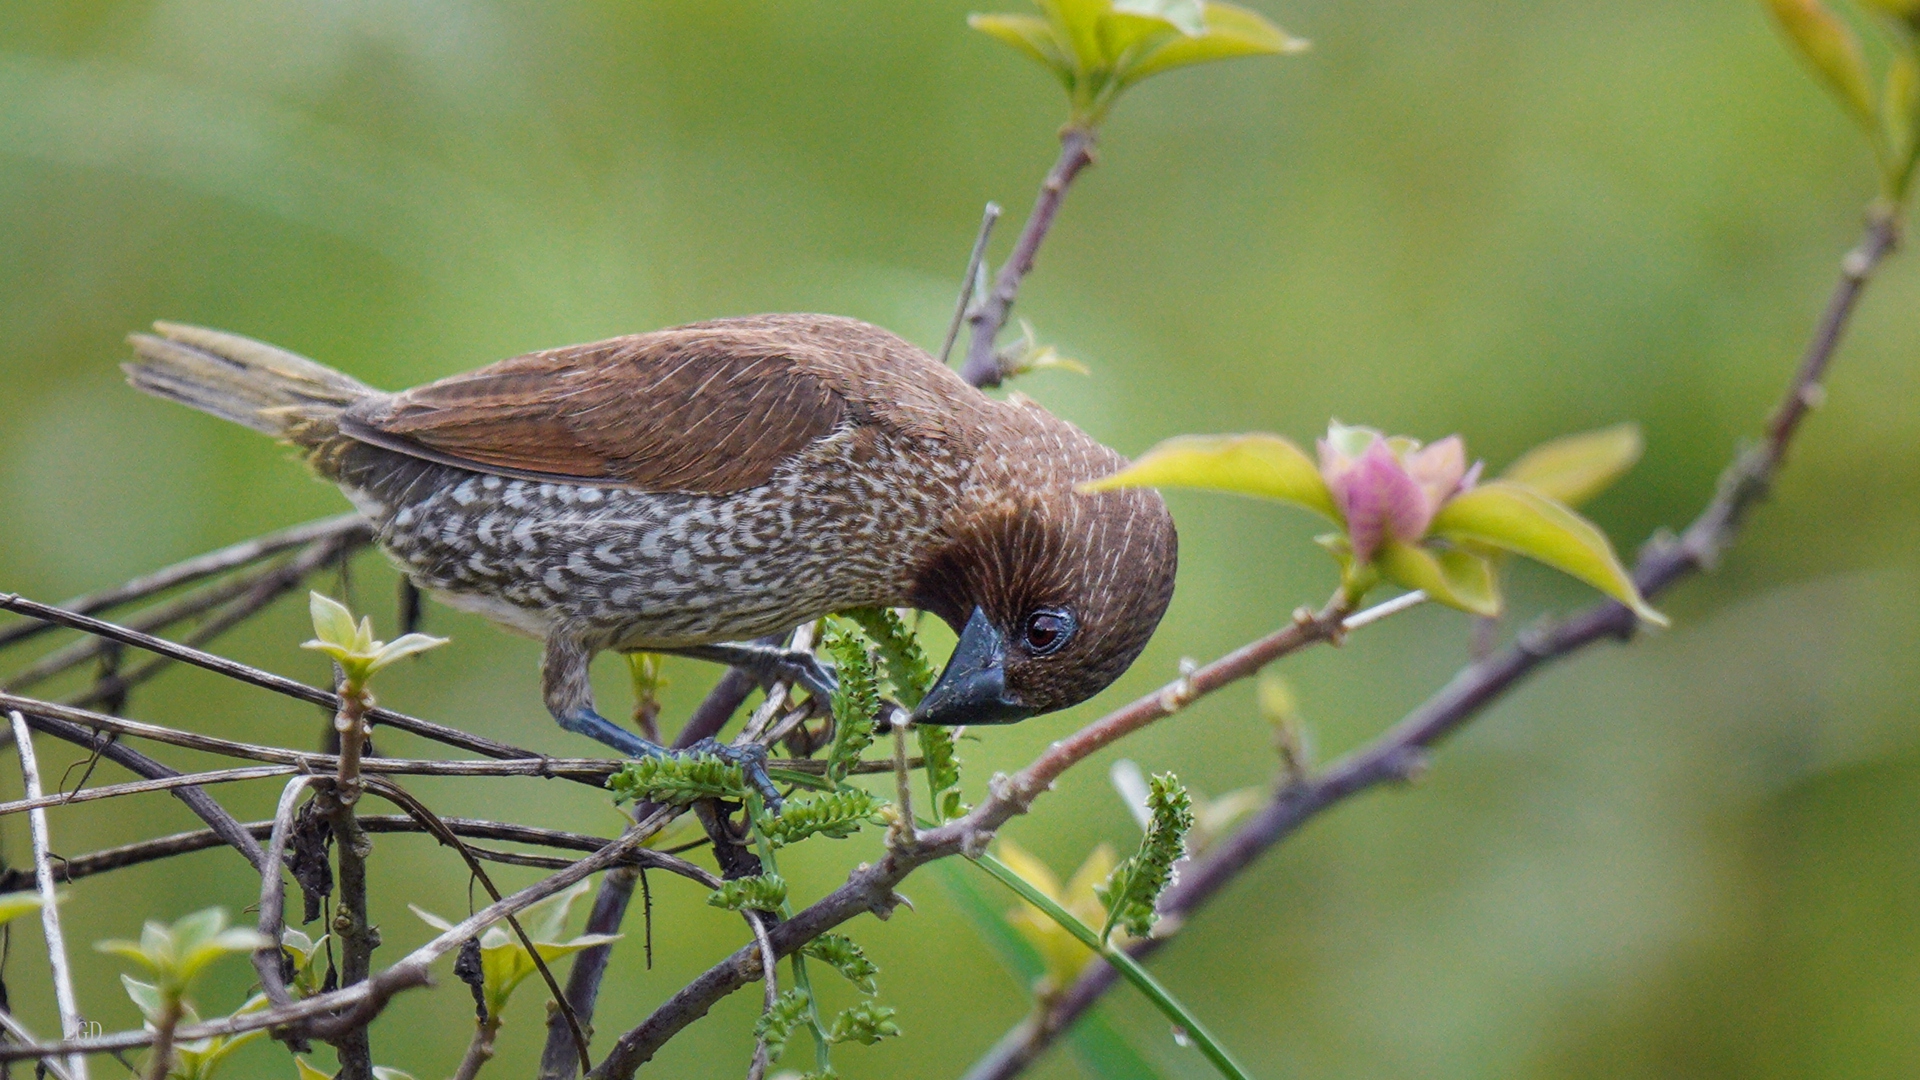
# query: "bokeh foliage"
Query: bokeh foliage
1512,221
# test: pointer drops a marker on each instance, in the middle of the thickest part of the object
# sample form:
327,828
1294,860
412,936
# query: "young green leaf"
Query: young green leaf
1261,465
856,701
1521,520
14,905
837,814
1575,468
677,781
776,1025
1456,578
943,770
762,892
865,1023
1136,884
1226,32
846,957
908,670
1830,47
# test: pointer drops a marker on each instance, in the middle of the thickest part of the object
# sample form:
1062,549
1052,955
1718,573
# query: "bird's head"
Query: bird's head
1053,592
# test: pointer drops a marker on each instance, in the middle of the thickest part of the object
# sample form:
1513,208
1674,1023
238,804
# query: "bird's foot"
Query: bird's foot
752,759
770,664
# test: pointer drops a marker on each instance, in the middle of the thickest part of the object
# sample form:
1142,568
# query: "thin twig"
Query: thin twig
324,1014
19,1031
420,812
222,823
770,973
117,858
273,893
1401,751
987,221
49,903
352,527
870,887
137,787
983,365
253,676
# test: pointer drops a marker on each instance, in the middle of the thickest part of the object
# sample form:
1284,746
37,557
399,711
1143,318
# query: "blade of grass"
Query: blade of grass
1169,1006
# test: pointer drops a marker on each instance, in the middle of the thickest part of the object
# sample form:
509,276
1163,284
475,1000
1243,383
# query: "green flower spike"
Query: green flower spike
1415,515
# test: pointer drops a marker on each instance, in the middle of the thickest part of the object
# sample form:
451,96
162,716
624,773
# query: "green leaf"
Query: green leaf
145,995
1454,577
865,1022
1900,111
776,1024
856,701
1575,468
909,671
332,622
308,1072
837,814
1103,1051
677,781
404,646
1030,35
1077,24
1230,32
943,770
762,892
845,956
1261,465
14,905
1827,44
1521,520
989,920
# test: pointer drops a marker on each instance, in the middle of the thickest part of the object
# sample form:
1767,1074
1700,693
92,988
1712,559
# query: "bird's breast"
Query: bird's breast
841,526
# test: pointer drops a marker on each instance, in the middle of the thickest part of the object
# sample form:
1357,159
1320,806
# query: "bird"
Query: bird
691,489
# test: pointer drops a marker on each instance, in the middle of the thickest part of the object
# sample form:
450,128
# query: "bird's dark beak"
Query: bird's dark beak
973,689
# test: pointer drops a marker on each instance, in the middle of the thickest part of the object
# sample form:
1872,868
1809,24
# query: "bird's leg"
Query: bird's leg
768,664
569,697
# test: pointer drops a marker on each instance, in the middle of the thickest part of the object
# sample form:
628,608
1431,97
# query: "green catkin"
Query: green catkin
1135,885
776,1024
837,814
855,702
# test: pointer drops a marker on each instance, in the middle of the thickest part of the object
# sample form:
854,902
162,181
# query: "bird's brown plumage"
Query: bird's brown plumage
716,480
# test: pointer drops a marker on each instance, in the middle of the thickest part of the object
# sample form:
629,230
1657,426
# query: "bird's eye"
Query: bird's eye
1047,630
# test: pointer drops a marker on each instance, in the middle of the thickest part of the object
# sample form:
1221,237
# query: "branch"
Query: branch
870,888
983,366
350,527
49,903
253,676
330,1013
1403,748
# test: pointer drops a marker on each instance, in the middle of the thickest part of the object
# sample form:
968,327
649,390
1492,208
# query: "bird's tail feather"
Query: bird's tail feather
243,380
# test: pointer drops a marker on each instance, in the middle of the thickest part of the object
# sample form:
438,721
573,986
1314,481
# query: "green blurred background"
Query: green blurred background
1698,856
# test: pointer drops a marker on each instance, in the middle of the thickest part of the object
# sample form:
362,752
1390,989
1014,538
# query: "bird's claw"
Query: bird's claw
752,759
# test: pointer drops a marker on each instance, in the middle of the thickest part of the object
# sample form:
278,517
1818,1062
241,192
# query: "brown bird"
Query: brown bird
688,489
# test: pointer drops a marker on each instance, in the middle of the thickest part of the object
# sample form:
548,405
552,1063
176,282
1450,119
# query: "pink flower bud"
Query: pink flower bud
1390,489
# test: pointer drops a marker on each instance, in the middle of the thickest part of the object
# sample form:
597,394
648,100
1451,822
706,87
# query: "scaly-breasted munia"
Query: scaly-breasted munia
722,481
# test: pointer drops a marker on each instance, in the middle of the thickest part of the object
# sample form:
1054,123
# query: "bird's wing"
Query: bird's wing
706,409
